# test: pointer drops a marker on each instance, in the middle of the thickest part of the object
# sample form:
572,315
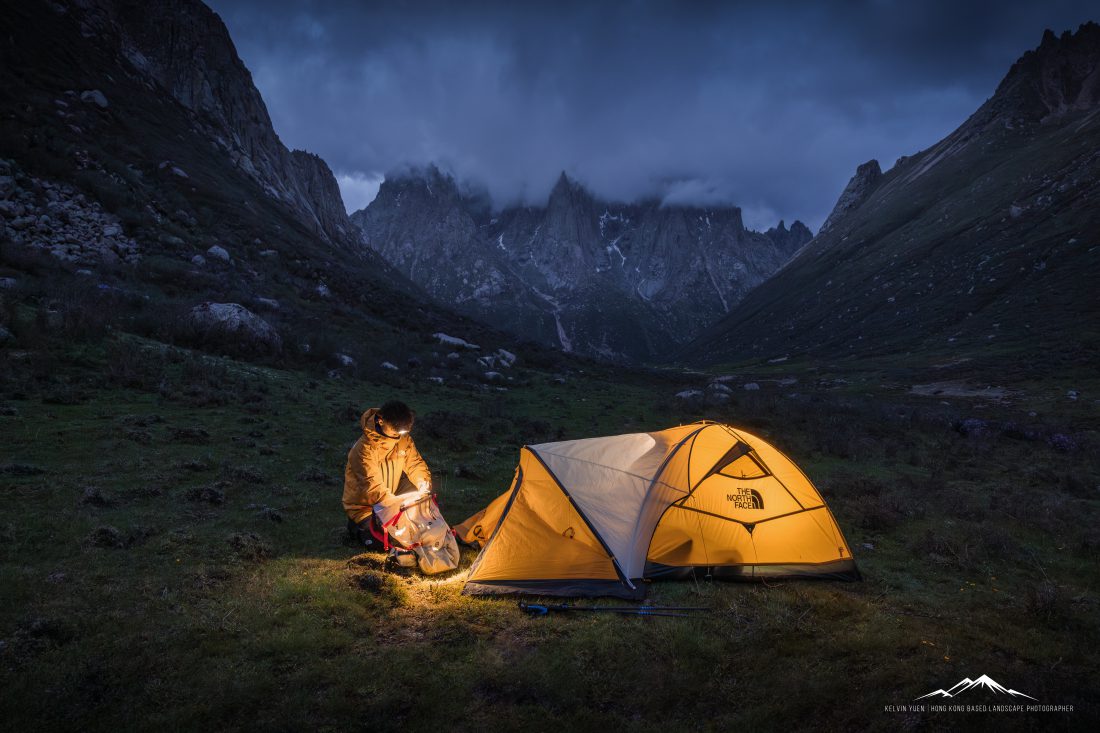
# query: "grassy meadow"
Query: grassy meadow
173,554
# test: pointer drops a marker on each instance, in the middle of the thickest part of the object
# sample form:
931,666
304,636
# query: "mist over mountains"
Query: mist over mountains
622,281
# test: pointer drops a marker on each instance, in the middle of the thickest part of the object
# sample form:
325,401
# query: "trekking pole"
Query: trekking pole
537,609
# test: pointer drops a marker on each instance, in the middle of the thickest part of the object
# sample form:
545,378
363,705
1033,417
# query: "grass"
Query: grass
174,555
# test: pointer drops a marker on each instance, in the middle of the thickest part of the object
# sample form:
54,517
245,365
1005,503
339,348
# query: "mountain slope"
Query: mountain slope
985,243
140,177
621,281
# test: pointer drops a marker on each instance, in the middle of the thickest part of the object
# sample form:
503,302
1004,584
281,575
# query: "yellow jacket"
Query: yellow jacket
374,468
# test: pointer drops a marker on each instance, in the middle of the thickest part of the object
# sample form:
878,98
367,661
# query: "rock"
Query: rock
7,187
974,428
506,358
6,283
96,97
85,272
198,260
436,380
346,360
454,341
454,356
719,387
112,230
492,376
269,253
689,394
859,188
1073,394
752,386
179,172
323,290
219,253
268,303
233,319
170,239
388,365
868,546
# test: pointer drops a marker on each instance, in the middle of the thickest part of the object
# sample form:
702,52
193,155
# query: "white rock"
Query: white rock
218,253
346,360
752,386
269,302
688,394
454,341
436,380
387,365
233,318
453,356
94,96
323,290
198,260
179,172
269,253
719,387
84,272
112,230
7,283
1072,394
493,376
507,358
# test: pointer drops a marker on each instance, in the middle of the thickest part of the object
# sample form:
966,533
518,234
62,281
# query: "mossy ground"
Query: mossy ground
173,556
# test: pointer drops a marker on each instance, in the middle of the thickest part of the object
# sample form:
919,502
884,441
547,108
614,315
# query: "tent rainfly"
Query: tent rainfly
595,517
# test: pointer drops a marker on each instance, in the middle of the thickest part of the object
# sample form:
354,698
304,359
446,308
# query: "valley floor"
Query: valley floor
172,556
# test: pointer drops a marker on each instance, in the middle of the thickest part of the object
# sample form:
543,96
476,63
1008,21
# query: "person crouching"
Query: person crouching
383,469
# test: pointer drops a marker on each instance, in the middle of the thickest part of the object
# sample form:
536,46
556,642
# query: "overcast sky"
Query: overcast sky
768,106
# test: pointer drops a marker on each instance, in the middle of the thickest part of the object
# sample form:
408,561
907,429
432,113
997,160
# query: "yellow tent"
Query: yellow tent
595,517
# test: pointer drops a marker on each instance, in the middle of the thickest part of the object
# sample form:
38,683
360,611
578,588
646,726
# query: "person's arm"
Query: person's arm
416,469
367,480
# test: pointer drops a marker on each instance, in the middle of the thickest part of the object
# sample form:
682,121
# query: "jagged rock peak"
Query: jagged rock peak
861,185
568,188
789,240
1061,75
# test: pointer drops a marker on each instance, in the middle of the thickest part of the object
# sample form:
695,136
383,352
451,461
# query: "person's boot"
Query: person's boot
360,533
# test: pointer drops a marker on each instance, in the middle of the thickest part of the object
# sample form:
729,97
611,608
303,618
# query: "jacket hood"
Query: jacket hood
371,433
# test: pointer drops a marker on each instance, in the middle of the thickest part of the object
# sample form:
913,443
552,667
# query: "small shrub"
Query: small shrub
250,547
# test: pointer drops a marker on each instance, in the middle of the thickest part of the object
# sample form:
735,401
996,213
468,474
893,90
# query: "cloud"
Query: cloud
763,105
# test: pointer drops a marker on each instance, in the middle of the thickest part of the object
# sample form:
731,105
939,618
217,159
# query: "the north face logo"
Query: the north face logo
746,498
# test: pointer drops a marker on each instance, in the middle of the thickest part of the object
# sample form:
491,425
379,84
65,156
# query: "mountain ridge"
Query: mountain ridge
980,243
610,279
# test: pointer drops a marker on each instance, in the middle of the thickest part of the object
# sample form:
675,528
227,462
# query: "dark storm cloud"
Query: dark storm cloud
769,106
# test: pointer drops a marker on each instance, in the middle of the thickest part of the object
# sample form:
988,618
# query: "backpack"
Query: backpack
417,525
